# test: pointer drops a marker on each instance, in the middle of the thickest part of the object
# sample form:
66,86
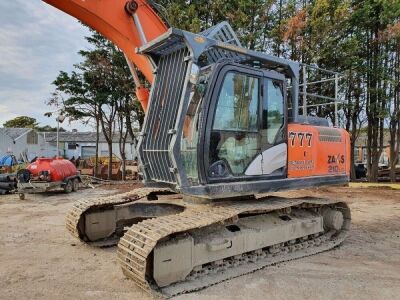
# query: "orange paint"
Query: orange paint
110,19
316,151
57,168
142,94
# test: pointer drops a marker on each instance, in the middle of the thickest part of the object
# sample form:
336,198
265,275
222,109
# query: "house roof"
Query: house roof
14,133
82,137
64,136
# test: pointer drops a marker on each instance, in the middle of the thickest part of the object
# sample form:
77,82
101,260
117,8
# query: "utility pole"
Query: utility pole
58,129
59,120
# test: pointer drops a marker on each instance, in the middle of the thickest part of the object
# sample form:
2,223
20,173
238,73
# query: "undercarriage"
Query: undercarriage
169,246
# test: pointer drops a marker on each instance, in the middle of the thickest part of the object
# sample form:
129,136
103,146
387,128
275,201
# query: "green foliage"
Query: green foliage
21,122
48,128
360,39
248,18
100,90
28,122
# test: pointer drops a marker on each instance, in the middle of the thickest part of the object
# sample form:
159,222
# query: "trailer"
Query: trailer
46,174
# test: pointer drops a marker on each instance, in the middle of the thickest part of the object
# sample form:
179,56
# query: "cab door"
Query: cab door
272,160
274,126
246,126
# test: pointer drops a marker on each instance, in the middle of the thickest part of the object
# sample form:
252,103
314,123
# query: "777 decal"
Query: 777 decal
305,138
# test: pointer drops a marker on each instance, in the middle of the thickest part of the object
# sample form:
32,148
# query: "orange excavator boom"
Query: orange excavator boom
128,24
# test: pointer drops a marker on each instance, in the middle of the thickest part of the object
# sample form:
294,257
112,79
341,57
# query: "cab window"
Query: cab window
273,111
235,140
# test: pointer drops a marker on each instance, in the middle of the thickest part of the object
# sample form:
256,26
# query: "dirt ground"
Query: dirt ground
40,260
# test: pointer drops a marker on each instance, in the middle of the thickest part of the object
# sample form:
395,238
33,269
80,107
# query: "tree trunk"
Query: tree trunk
96,162
122,145
397,148
123,166
107,132
110,154
395,119
129,126
394,145
393,157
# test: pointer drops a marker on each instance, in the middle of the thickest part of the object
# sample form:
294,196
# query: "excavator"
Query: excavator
222,133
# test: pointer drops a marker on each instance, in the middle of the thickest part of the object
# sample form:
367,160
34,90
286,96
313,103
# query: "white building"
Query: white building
25,142
83,144
30,143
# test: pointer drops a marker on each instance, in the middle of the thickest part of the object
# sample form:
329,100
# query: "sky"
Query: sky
36,42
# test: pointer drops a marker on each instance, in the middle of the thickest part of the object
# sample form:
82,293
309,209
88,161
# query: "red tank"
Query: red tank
52,169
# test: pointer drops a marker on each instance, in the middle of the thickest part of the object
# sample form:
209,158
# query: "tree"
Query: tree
28,122
333,45
392,37
98,71
79,101
128,111
371,19
100,89
358,38
21,122
48,128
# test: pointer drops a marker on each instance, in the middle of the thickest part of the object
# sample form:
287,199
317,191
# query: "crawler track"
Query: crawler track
75,216
136,246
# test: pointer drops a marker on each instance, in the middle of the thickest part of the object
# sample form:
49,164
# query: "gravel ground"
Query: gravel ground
40,260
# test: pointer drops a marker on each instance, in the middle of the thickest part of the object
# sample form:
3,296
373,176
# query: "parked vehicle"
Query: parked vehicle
47,174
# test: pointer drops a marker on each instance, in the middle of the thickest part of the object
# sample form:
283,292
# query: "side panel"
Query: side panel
315,150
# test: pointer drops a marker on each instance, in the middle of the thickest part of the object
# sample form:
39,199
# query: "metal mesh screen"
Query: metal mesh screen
222,32
161,116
